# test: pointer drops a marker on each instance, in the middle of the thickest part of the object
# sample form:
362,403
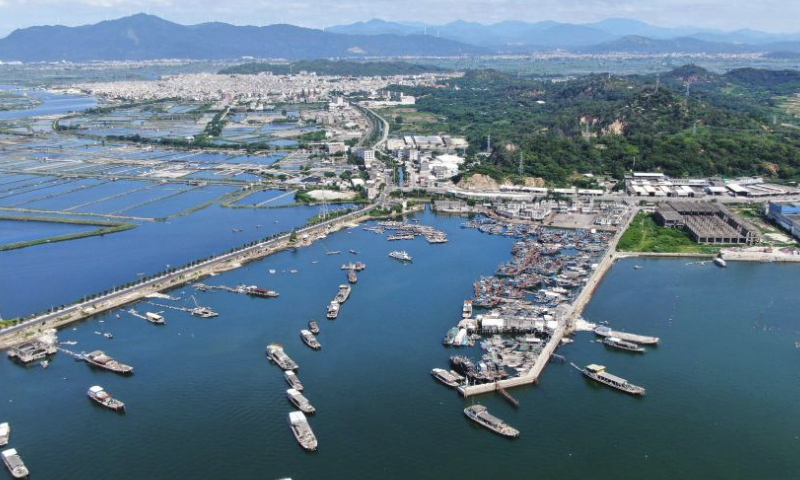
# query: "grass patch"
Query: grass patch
645,236
104,229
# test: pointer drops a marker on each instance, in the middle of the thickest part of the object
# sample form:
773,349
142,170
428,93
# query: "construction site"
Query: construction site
708,223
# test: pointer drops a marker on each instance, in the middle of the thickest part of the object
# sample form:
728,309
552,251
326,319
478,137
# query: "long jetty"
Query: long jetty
565,317
16,334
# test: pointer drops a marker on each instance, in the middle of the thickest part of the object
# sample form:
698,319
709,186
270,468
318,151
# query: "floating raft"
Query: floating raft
631,337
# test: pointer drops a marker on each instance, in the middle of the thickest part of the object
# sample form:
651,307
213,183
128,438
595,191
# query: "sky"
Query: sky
766,15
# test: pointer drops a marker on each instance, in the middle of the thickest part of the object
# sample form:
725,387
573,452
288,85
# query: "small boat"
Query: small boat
637,267
14,463
108,335
5,433
401,255
272,271
333,310
353,252
598,373
333,252
313,327
480,415
44,363
720,262
155,318
310,340
299,401
352,277
276,354
293,380
446,377
293,270
99,359
615,342
102,397
302,431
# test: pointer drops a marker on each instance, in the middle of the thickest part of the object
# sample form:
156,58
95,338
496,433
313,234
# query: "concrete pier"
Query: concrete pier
565,319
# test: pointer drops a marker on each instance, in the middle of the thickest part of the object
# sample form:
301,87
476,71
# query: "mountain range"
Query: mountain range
146,37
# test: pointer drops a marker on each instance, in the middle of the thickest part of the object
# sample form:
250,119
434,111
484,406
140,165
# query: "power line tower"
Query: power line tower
489,144
521,168
323,211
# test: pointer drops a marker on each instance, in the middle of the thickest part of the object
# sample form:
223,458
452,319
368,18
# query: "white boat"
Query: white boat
302,431
293,380
5,433
720,262
14,463
299,401
99,395
401,255
155,318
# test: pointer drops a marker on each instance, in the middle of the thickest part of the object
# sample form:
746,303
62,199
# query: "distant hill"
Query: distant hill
144,37
328,67
637,44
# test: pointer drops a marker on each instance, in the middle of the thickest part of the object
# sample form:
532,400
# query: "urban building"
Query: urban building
787,215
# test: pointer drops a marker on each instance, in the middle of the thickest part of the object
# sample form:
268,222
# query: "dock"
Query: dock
565,317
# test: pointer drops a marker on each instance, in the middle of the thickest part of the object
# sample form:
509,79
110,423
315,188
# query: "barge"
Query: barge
620,344
604,331
302,431
299,401
598,373
276,354
480,415
14,463
99,359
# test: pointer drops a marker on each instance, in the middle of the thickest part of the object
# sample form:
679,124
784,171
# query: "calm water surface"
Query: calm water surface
205,402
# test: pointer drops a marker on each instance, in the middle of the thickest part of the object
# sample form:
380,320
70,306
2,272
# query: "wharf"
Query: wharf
564,317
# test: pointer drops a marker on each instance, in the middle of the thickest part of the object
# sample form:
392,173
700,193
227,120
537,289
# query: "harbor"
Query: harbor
246,412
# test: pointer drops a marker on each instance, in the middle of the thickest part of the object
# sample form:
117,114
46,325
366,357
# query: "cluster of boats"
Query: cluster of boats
297,419
409,231
13,462
341,296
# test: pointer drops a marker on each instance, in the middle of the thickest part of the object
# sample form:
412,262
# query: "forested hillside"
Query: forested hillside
721,125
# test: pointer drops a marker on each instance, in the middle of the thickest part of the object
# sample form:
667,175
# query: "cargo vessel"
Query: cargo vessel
293,380
604,331
302,431
333,310
99,359
598,373
99,395
343,294
310,340
451,378
276,354
401,255
615,342
14,463
480,415
299,401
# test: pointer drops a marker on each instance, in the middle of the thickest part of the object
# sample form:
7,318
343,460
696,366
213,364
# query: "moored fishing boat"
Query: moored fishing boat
302,431
99,359
14,463
5,433
351,276
604,331
598,373
99,395
276,354
451,336
313,327
401,255
293,380
343,294
615,342
333,310
310,340
451,379
480,415
300,401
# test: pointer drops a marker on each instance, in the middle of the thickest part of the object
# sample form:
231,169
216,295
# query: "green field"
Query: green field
645,236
